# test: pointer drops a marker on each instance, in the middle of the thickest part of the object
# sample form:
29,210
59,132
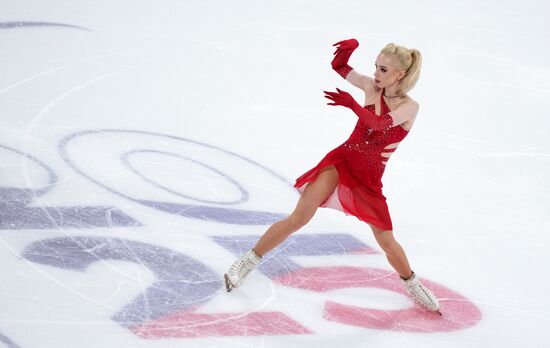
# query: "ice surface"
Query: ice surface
145,144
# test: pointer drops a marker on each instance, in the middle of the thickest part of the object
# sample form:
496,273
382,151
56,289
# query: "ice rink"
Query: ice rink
145,144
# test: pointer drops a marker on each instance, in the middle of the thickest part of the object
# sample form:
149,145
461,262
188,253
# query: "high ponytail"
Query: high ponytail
408,59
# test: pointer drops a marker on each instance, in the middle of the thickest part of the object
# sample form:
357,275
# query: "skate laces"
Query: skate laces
245,263
420,293
237,265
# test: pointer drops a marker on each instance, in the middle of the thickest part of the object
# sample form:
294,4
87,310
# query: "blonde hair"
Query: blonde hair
407,59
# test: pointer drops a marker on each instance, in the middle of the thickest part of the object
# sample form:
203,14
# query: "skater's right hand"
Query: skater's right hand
344,49
349,44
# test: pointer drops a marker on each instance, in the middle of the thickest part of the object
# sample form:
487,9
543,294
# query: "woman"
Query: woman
349,177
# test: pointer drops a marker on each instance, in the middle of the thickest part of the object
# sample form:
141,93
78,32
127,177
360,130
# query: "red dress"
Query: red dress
360,166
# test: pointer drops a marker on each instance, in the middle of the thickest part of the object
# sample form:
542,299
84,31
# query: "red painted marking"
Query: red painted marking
188,325
458,312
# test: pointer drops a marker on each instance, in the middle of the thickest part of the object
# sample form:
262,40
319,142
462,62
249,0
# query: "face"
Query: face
386,73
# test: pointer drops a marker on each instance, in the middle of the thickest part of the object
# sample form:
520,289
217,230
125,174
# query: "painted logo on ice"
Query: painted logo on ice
170,305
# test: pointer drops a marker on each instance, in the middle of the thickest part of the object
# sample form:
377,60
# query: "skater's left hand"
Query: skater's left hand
340,98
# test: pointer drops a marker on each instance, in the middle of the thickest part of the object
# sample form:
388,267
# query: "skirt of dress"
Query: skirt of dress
353,195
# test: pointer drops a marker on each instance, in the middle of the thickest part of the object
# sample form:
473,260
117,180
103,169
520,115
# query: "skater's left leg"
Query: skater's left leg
394,252
397,258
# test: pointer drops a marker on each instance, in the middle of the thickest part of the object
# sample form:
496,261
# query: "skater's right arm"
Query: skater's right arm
344,49
360,81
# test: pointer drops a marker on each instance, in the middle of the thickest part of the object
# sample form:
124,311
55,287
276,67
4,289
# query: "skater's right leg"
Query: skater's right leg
315,193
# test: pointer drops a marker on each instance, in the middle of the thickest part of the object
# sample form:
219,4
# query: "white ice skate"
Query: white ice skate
420,294
240,269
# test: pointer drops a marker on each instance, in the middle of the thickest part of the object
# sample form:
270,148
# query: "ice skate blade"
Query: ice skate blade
228,285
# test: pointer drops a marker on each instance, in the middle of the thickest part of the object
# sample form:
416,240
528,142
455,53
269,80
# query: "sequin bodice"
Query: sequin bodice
360,163
365,146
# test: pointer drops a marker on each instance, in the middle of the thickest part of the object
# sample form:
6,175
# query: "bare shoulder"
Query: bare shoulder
411,101
410,105
404,112
411,109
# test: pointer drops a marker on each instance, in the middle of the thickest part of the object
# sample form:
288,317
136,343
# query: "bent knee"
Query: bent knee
385,240
387,246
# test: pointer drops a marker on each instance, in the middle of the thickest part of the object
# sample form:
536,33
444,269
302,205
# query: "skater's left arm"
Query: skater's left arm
401,114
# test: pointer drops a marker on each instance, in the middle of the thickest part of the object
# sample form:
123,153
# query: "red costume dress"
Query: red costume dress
360,166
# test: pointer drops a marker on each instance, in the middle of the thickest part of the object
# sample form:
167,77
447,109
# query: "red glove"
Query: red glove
370,118
344,49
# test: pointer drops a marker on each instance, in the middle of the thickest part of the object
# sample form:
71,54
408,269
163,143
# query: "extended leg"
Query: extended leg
315,193
312,197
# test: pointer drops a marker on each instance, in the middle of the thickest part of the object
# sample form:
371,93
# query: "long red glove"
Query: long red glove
370,118
344,49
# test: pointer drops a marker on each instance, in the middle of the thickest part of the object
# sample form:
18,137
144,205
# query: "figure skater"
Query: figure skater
348,178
